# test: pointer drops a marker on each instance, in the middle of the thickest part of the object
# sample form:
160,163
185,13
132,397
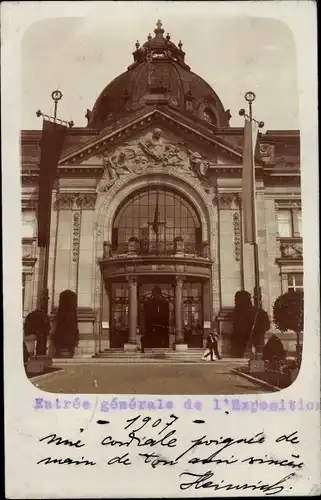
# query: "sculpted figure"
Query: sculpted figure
110,174
198,164
294,250
173,157
160,150
154,146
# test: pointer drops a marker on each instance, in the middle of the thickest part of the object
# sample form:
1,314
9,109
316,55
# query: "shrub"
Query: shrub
66,334
38,323
288,313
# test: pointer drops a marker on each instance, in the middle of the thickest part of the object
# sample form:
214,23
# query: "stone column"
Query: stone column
179,334
132,345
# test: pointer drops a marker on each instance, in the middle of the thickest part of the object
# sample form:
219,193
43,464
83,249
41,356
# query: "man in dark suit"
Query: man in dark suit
212,347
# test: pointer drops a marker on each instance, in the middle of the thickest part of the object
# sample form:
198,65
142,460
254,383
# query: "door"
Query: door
156,313
119,308
193,313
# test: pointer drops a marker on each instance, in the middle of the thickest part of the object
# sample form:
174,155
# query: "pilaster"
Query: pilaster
230,251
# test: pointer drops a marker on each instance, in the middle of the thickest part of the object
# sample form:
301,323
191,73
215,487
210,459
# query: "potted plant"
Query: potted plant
66,333
288,315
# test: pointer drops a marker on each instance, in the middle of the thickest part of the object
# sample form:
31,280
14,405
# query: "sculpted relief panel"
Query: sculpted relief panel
153,152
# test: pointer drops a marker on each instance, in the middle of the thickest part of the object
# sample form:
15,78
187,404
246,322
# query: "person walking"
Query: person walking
215,345
210,347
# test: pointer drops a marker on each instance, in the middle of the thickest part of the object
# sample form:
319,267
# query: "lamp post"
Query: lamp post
43,292
257,296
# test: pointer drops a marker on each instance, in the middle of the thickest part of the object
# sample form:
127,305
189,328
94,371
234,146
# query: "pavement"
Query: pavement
153,378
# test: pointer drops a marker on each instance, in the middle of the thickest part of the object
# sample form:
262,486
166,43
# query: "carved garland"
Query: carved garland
237,236
75,236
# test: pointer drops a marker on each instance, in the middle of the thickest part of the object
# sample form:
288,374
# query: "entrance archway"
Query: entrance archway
134,263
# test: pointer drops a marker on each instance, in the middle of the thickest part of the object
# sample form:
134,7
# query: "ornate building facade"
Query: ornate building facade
149,194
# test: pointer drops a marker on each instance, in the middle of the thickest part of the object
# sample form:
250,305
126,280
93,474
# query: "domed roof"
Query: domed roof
158,75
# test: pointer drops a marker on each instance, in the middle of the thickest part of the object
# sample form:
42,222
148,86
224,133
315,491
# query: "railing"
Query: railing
159,248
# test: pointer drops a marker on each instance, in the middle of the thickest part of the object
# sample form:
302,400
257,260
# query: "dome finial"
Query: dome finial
180,45
137,45
159,30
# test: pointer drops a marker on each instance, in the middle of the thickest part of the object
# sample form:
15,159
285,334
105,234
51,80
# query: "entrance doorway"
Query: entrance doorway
156,313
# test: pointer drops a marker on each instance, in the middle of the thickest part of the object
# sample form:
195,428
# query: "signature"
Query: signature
199,481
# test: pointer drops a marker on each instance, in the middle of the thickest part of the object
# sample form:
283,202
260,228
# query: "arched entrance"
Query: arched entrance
155,270
156,229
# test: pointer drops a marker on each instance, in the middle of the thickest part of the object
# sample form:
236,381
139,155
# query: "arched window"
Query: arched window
155,218
209,116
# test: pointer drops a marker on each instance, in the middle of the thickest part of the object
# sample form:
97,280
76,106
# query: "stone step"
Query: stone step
79,360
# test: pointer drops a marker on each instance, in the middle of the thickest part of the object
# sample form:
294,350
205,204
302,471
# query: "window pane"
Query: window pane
290,280
156,217
284,223
295,281
298,278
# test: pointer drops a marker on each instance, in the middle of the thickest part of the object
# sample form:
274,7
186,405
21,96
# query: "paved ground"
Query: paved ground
156,378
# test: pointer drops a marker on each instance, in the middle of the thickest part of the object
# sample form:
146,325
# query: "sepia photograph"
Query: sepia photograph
161,252
162,247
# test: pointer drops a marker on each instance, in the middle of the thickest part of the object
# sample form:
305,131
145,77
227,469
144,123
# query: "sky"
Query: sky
81,55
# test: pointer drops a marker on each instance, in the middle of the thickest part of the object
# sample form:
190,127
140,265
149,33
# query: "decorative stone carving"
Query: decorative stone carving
132,280
198,164
179,282
152,151
228,200
267,152
84,201
65,200
291,250
75,236
179,245
237,236
107,250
